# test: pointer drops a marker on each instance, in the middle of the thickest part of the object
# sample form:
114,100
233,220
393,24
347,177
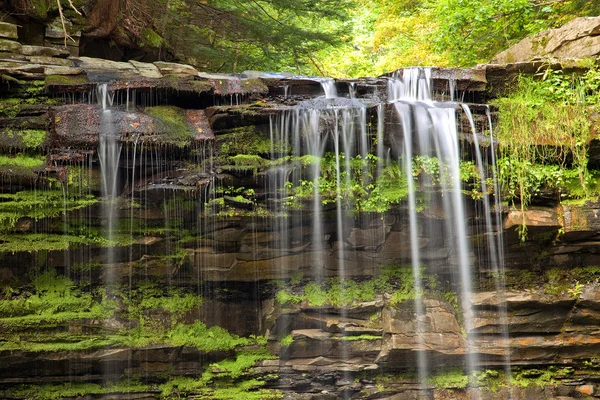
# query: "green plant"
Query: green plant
286,341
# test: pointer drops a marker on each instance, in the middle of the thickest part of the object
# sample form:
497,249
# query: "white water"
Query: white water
429,128
329,88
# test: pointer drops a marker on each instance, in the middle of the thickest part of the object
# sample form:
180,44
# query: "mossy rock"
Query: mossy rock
151,39
245,140
8,31
185,84
23,138
10,46
174,122
66,80
21,165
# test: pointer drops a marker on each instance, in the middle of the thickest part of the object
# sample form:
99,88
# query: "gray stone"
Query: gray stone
44,51
147,70
45,60
58,70
167,68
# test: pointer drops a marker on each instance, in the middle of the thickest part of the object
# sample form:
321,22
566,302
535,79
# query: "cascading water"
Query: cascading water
109,151
324,201
329,88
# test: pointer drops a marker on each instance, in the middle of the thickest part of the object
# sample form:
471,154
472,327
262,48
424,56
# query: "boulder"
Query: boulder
579,38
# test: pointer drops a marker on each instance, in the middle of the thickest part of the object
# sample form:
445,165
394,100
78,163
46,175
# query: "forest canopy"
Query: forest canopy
341,38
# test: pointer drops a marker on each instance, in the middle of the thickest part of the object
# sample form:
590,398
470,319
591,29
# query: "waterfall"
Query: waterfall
109,151
329,88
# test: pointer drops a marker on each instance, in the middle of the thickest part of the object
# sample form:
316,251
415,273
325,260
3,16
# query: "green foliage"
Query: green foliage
390,188
284,297
570,281
315,295
286,341
246,162
339,293
221,380
208,339
544,127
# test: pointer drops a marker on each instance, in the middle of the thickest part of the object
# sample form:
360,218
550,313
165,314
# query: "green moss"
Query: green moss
151,38
221,380
56,300
66,80
454,378
156,315
246,162
37,205
32,138
185,83
245,140
34,242
71,390
175,123
21,165
9,108
360,337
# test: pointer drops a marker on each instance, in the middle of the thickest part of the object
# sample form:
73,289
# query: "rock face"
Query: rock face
579,38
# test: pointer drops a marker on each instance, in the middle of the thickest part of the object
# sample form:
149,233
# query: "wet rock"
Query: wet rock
368,238
79,125
437,332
